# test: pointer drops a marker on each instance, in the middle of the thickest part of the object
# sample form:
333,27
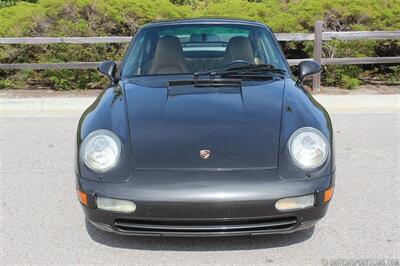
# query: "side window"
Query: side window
133,67
147,56
270,53
259,49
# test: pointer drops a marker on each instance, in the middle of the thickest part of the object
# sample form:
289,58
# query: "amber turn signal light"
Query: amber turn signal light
82,197
328,194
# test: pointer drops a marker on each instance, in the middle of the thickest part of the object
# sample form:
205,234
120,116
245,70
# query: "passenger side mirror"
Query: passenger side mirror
308,68
108,68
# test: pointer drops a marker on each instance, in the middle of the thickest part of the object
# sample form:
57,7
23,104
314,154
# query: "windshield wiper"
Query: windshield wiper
260,71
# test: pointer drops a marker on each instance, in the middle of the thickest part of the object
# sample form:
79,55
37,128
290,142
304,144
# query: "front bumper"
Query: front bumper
205,203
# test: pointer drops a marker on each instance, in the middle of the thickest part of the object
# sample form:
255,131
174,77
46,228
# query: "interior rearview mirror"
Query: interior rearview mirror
107,68
308,68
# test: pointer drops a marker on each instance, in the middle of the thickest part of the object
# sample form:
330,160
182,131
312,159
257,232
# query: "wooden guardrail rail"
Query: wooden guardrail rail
318,37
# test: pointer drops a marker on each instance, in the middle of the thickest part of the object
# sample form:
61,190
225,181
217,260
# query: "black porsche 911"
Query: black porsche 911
204,131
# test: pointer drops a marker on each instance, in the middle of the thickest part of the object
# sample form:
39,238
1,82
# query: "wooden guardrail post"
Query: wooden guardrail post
317,53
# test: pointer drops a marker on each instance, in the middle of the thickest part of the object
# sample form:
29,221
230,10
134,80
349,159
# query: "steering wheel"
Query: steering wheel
238,61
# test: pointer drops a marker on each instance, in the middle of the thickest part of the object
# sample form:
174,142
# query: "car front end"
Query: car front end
207,203
173,149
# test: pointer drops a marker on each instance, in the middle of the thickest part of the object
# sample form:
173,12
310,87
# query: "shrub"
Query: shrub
349,82
5,84
395,77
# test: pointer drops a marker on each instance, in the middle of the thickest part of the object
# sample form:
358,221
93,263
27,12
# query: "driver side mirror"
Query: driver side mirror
308,68
108,69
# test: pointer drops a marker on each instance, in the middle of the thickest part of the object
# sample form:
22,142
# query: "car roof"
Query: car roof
183,21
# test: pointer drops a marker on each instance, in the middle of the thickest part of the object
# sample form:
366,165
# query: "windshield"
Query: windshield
180,49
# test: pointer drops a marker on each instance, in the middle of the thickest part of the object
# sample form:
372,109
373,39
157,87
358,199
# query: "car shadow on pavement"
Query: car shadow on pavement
199,243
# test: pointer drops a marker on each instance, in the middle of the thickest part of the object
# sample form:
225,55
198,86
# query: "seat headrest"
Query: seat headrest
239,48
168,57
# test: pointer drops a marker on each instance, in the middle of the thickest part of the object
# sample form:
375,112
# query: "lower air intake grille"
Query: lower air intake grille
199,227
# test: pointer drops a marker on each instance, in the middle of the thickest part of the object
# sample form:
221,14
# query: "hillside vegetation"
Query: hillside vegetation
124,17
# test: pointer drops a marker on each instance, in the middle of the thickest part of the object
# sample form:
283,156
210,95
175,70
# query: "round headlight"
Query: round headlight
308,148
100,150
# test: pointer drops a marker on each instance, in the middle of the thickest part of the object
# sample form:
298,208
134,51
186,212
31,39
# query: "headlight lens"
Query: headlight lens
308,147
100,150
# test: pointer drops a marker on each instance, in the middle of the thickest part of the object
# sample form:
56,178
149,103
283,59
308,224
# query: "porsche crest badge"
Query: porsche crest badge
204,154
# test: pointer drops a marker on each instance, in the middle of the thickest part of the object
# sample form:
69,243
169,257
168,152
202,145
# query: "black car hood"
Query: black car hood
239,126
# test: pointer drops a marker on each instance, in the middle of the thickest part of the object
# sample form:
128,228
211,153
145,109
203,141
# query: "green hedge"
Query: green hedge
124,17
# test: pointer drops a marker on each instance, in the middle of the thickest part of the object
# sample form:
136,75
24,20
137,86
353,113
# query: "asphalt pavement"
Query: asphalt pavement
42,221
